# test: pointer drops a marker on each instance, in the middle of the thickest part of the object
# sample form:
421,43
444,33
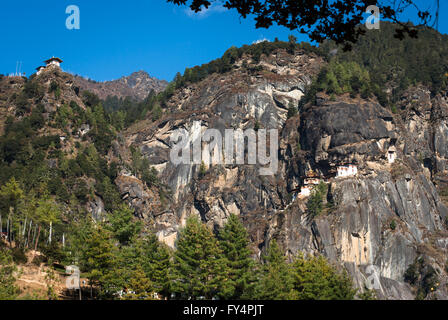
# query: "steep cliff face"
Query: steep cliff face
238,99
376,223
382,219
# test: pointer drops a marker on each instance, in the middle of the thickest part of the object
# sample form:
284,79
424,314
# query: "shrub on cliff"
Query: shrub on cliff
315,202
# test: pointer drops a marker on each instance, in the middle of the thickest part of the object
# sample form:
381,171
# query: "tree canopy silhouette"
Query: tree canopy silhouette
336,20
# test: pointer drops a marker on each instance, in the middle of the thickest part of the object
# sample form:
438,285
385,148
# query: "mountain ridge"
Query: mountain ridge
137,86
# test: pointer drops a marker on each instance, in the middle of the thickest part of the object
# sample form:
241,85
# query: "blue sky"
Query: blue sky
119,37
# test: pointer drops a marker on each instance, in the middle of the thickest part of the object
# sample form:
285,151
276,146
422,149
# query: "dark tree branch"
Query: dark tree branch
336,20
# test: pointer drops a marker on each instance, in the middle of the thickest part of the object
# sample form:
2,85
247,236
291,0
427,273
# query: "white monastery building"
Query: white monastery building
53,61
305,191
347,171
314,181
391,154
39,69
50,62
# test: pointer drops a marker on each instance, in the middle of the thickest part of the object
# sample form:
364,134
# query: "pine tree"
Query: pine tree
292,110
178,81
118,278
276,282
98,255
292,42
10,195
155,258
151,256
315,203
234,242
122,226
110,194
199,268
156,112
315,279
139,286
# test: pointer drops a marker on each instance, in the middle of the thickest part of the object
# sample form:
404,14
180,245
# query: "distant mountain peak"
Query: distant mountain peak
137,85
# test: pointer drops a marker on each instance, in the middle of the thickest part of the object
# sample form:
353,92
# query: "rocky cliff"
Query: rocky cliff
377,224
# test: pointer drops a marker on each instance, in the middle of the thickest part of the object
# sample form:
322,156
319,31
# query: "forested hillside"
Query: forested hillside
392,64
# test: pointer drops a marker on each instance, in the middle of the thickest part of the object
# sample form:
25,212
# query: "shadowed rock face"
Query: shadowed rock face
332,127
381,220
358,231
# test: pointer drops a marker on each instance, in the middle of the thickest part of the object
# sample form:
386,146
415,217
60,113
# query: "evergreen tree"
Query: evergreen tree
292,42
315,279
156,112
139,286
146,255
199,267
98,256
315,202
122,224
157,264
10,195
109,194
234,242
118,278
292,110
276,281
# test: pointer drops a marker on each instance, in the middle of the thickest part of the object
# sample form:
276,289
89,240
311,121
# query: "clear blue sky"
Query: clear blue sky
119,37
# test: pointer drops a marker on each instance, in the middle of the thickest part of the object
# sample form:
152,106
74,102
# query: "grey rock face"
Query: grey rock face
96,208
381,220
